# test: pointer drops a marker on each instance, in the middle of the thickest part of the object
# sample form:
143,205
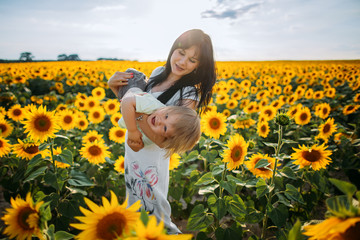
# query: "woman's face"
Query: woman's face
184,61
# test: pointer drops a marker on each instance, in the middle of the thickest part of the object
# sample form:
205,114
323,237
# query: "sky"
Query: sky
144,30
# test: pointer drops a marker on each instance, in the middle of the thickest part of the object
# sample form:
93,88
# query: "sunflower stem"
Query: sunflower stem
54,164
277,151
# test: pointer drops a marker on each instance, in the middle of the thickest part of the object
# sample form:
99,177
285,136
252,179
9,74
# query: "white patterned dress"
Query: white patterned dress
147,172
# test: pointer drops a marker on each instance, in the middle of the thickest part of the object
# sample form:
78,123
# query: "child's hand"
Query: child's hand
135,140
135,146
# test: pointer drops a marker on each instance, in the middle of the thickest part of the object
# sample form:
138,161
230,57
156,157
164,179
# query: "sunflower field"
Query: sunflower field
278,157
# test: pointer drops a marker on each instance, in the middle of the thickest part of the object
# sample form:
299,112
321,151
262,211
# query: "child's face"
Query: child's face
161,122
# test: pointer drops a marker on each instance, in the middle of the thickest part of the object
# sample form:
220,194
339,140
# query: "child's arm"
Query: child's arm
128,110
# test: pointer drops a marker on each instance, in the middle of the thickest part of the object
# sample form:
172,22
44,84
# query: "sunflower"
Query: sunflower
95,152
334,228
115,118
269,112
222,98
2,111
22,220
315,156
236,151
117,134
6,128
244,103
98,93
322,110
263,129
330,92
357,97
67,119
112,106
155,231
303,116
5,147
318,94
349,109
41,124
119,165
327,129
91,102
107,222
226,112
264,172
16,113
174,161
287,90
243,123
58,151
92,136
80,102
252,107
292,99
236,95
82,123
309,93
213,124
27,149
96,115
231,104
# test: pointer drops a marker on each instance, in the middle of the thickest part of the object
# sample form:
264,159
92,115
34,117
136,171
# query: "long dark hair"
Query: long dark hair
203,78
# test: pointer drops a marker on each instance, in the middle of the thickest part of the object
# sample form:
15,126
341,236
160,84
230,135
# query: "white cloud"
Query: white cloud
108,8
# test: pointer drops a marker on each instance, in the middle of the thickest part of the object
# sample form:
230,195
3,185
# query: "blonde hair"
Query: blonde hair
186,130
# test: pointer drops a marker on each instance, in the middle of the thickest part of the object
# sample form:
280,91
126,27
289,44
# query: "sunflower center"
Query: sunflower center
31,150
91,104
92,139
350,108
352,232
1,144
311,156
42,123
23,217
268,112
96,115
326,128
82,123
214,123
325,111
119,133
111,226
303,116
111,106
236,153
3,127
263,128
68,119
94,150
81,104
17,112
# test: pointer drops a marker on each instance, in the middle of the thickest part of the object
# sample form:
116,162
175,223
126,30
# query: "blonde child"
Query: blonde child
177,128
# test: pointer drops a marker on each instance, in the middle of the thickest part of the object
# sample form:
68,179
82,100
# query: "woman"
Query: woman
186,79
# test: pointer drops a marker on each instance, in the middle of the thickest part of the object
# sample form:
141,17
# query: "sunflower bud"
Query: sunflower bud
282,119
251,144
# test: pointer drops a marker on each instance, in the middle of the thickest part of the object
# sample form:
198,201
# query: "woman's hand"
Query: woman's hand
118,80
